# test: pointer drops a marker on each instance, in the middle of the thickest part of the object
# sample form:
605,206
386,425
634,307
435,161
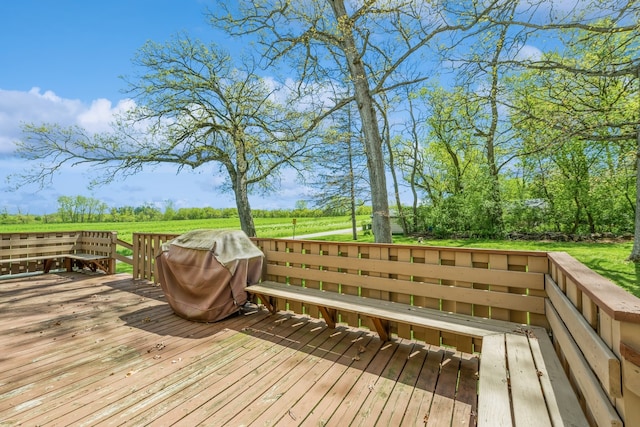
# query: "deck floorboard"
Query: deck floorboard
92,349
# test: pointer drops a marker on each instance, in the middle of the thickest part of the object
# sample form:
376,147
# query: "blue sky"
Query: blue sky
61,61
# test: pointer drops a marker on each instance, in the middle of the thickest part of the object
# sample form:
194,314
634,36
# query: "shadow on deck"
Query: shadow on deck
107,350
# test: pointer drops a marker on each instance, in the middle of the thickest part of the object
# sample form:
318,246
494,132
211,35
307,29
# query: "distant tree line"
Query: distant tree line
81,209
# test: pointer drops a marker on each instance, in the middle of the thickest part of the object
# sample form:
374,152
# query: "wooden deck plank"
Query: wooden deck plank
338,390
444,398
494,406
88,349
417,411
396,406
208,370
148,380
238,373
562,403
276,342
290,389
376,401
466,405
273,402
106,373
224,405
364,386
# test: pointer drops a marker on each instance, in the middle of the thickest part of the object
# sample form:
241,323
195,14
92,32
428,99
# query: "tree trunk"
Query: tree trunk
244,208
381,225
241,191
635,251
495,210
396,186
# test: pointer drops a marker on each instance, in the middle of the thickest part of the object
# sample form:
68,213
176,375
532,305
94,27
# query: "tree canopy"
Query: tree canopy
500,116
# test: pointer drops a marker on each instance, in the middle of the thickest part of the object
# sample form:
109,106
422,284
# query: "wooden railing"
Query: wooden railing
596,330
145,248
594,324
122,258
41,251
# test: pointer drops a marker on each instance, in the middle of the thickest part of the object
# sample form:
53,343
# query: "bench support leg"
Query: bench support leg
329,316
382,327
268,302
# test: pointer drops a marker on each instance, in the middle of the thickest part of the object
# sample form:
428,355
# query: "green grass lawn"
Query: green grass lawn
265,227
607,259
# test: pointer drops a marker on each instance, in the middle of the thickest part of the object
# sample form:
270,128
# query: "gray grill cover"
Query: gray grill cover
203,273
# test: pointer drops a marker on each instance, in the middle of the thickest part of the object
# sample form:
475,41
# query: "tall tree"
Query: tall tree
585,96
195,106
370,41
340,172
594,24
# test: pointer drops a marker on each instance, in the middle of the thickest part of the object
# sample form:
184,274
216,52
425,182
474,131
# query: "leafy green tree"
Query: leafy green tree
80,209
376,44
196,105
576,110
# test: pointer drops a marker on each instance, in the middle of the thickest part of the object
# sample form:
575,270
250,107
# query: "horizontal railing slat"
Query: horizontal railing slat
516,279
467,295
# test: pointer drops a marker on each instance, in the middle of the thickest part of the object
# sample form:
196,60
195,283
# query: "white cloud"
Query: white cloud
101,113
34,106
528,52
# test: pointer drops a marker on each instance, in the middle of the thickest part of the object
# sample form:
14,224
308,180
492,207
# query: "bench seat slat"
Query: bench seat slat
86,257
494,407
562,403
529,407
31,258
80,256
386,310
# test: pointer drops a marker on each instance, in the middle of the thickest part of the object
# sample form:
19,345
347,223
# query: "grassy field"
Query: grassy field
608,259
265,227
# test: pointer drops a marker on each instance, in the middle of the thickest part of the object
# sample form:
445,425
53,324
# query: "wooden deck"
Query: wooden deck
81,349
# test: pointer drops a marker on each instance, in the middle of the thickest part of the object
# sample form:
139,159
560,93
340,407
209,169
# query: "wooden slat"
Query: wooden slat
442,406
529,407
466,405
459,324
494,406
395,409
599,405
601,359
562,404
477,275
609,297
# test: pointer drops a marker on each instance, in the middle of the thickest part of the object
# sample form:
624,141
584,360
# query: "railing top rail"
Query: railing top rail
612,299
541,254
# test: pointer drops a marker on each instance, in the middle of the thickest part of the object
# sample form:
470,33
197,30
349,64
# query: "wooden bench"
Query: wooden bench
29,252
596,370
379,311
521,380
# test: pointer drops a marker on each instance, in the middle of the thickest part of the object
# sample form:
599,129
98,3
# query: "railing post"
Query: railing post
628,349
